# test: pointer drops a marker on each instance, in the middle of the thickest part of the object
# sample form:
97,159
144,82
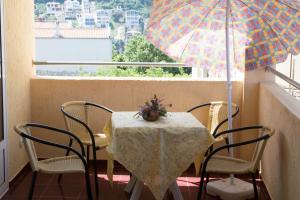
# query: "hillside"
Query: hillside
143,6
143,2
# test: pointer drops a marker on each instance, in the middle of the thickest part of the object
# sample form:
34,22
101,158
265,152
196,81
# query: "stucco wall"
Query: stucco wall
249,109
281,159
120,95
18,24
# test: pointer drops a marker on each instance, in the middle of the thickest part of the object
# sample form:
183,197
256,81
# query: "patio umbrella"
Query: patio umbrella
223,36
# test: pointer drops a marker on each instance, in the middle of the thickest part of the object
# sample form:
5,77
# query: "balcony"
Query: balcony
38,99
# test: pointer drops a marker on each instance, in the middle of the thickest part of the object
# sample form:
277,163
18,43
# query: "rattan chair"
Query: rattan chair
217,117
76,115
58,165
228,165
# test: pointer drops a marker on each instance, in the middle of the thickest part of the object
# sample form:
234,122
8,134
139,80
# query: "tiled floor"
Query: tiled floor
73,187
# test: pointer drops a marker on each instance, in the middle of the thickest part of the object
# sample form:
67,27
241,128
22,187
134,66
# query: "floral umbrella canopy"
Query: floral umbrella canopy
221,35
261,32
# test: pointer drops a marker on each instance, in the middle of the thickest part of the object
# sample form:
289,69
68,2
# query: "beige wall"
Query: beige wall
281,160
120,95
249,114
18,24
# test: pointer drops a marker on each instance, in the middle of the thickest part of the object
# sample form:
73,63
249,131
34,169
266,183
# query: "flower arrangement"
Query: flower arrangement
154,109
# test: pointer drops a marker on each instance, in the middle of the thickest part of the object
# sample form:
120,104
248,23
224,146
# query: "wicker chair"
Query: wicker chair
228,165
76,115
58,165
217,117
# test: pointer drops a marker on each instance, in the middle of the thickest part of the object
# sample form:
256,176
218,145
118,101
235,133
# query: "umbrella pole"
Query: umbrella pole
230,188
229,84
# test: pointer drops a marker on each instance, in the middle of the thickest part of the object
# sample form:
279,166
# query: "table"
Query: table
156,153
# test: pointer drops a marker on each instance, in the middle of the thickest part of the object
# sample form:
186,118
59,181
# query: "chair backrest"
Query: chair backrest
260,147
29,146
78,110
218,112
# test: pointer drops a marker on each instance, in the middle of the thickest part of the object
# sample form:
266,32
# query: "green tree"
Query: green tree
118,17
118,47
39,9
75,24
138,49
50,18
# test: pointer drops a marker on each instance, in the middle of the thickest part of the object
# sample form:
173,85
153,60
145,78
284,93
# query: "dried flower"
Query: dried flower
152,110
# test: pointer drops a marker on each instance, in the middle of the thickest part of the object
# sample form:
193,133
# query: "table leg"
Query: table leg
136,186
176,191
130,185
137,190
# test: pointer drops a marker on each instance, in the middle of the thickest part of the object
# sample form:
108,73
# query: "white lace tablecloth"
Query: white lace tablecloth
157,152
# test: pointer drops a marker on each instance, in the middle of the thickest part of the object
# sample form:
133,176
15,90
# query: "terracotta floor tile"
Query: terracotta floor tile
73,186
61,191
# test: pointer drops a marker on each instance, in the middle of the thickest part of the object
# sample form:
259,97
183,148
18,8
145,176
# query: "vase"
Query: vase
151,116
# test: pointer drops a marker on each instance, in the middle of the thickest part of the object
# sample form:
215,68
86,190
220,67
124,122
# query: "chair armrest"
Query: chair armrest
198,106
41,141
248,142
57,130
237,144
224,121
221,123
80,122
99,106
238,130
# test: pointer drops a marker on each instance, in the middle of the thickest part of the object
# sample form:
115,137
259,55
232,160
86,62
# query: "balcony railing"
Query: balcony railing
294,86
94,65
111,64
111,69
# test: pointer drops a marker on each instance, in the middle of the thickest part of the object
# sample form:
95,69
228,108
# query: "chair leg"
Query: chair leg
88,185
227,143
67,153
201,185
95,170
87,153
211,148
254,186
32,185
207,178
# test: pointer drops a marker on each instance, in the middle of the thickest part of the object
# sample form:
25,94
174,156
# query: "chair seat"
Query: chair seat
100,140
66,164
227,165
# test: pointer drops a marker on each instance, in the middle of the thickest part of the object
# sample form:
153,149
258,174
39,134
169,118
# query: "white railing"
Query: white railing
111,64
195,72
284,77
74,68
294,86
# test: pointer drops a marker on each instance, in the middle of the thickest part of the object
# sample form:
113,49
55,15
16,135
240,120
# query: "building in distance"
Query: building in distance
62,42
